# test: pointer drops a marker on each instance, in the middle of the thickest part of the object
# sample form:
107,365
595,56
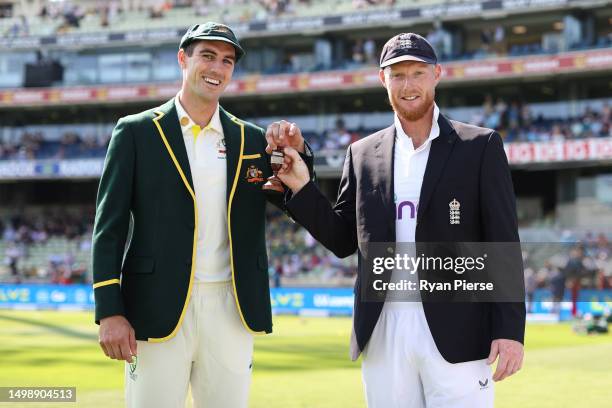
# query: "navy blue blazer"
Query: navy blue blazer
466,163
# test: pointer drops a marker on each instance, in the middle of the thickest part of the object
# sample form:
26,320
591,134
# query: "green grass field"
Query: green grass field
303,364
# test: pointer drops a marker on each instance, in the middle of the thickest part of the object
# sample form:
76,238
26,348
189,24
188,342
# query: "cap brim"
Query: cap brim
239,50
406,58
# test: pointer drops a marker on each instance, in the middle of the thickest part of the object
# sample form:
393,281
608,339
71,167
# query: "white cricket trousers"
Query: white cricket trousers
402,367
212,352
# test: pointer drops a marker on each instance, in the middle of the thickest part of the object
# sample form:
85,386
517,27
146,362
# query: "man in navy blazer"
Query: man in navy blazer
423,179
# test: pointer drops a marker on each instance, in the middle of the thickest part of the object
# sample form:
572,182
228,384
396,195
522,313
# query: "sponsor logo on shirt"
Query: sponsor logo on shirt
132,367
221,150
406,209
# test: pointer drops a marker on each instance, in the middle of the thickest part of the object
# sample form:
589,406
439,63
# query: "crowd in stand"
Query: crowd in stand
24,149
20,229
325,53
294,254
69,15
33,145
584,261
514,121
22,236
337,138
580,260
361,4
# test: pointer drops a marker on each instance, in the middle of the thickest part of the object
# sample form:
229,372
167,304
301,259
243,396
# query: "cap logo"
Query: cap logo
405,43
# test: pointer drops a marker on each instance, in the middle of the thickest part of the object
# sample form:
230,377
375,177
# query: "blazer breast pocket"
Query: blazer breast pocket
254,169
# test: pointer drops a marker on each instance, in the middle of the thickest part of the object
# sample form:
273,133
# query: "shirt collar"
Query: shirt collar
188,124
402,137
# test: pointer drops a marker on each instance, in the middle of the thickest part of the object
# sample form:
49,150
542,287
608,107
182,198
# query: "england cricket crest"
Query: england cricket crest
404,41
132,368
455,212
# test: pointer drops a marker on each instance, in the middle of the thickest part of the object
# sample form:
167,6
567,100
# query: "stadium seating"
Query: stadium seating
60,259
34,266
544,123
177,17
296,259
92,21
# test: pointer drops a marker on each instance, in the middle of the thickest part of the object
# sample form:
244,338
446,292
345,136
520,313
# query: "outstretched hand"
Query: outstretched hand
285,134
294,172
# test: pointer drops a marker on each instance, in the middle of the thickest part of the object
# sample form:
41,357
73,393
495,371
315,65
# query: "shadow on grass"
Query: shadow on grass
291,357
65,331
55,354
51,347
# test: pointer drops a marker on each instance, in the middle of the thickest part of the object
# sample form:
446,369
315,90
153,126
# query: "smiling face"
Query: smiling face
411,87
208,70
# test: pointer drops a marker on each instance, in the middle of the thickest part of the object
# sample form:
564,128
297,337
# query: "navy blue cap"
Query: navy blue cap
407,47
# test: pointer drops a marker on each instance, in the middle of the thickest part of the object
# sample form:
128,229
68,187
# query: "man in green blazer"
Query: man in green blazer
179,255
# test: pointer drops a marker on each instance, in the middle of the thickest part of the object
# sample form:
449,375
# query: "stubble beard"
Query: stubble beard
417,113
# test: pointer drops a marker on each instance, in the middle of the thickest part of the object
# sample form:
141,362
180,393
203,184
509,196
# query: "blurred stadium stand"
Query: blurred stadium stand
44,17
55,248
515,122
44,246
67,30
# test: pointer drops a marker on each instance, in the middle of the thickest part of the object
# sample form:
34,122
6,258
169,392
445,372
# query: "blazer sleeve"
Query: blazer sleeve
112,222
335,227
499,224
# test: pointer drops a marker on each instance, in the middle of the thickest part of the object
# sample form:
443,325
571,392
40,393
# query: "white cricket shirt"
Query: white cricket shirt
207,161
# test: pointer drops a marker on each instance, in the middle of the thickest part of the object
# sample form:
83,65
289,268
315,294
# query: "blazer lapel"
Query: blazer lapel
441,148
385,158
233,133
167,124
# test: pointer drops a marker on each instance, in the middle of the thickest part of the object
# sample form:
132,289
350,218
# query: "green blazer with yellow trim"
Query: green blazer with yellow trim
147,182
